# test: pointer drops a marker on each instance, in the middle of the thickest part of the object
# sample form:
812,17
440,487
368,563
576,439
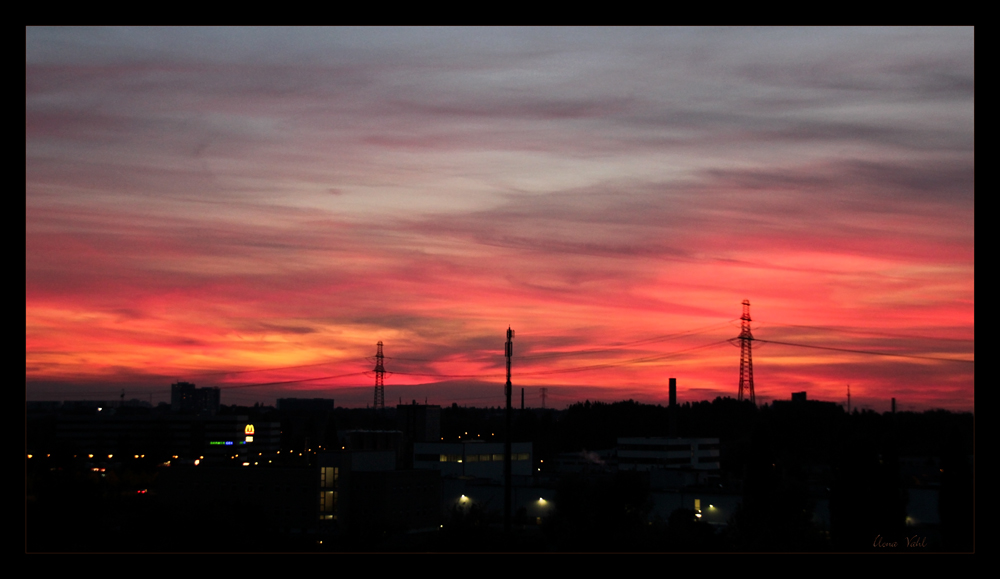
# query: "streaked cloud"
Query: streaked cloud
212,200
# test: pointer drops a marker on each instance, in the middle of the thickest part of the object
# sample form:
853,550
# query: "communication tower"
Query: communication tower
508,352
379,380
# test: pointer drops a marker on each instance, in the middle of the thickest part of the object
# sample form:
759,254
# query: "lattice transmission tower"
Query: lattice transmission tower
746,356
379,380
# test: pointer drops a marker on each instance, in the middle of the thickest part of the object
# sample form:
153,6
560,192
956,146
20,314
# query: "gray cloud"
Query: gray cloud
330,177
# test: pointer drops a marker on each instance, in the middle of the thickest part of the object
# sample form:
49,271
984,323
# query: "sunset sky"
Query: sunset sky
255,209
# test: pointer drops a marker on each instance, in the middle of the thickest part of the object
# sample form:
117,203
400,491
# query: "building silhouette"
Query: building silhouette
187,399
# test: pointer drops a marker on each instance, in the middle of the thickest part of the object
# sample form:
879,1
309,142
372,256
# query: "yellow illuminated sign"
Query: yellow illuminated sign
248,430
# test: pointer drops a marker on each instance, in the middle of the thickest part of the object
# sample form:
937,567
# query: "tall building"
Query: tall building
186,398
419,422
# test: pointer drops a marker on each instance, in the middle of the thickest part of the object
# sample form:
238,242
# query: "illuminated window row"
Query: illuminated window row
497,457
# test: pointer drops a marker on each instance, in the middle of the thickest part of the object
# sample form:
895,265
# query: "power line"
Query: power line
496,375
867,352
585,368
652,340
272,368
852,330
236,386
624,362
573,369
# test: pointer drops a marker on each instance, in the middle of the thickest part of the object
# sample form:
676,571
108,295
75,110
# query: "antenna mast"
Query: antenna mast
379,380
508,352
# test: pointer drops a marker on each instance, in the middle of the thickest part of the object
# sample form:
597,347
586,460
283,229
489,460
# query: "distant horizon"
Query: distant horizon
869,404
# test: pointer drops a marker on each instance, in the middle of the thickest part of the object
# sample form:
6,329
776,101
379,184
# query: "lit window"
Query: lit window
328,501
328,477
